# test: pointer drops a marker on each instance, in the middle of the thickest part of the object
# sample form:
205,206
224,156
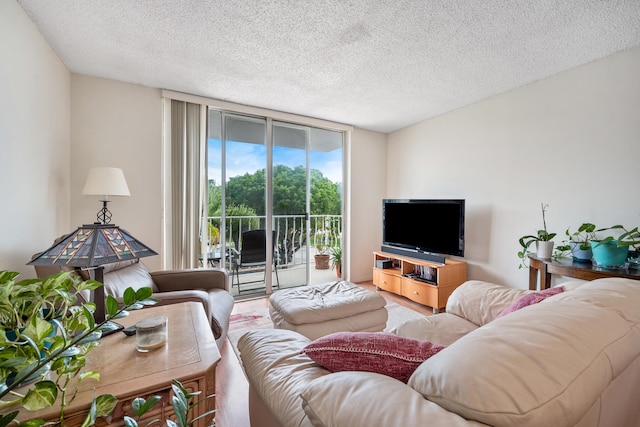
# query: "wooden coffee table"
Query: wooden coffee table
190,356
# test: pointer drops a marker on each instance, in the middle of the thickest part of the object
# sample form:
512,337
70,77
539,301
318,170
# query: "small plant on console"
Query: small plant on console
541,236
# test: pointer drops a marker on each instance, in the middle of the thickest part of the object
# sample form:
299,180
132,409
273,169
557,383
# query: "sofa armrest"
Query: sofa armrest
277,371
195,278
364,399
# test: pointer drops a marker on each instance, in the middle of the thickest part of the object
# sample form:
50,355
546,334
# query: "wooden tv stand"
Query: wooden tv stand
433,293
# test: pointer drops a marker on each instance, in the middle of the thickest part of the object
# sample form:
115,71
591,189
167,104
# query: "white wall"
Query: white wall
368,183
34,141
119,124
571,141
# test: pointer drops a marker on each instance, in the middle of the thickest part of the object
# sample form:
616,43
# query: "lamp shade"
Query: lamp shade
105,181
94,245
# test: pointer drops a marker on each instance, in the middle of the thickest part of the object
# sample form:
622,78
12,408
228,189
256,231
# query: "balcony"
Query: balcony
290,252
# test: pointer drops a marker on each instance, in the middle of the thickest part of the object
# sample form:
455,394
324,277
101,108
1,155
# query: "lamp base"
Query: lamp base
104,214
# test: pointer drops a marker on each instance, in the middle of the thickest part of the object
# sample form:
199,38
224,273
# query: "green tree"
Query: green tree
236,226
214,199
247,190
289,186
245,196
325,195
289,190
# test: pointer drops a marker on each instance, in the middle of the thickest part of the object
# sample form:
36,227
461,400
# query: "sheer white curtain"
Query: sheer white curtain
187,182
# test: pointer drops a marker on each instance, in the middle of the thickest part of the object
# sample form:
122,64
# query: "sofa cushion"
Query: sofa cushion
480,302
364,399
115,266
530,299
443,329
108,268
135,276
377,352
537,366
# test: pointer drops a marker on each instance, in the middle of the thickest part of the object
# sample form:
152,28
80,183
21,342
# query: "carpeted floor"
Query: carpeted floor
259,319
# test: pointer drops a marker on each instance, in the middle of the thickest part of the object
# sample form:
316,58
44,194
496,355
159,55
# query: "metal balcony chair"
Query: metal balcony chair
253,253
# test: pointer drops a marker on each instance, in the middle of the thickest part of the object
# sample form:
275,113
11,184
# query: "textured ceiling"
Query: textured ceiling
375,64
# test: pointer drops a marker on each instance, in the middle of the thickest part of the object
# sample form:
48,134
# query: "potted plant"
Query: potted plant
579,242
183,404
322,256
42,330
632,239
336,259
633,257
612,251
543,240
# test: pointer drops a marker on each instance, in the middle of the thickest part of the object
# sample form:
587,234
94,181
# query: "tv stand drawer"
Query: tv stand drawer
422,293
386,281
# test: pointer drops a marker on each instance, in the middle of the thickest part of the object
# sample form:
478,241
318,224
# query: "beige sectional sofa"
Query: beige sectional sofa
570,360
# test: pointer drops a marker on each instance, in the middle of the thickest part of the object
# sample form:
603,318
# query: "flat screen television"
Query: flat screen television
424,225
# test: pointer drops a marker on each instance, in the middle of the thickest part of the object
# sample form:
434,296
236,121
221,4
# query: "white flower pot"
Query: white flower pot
544,249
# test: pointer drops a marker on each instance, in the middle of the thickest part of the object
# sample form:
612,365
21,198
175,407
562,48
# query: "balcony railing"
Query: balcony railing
290,234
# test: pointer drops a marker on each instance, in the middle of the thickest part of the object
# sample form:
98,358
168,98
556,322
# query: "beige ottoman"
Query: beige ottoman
318,310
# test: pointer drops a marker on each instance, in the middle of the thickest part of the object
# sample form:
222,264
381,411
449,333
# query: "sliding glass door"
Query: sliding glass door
284,179
291,201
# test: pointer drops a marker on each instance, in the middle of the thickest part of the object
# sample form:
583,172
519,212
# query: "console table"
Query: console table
190,356
570,268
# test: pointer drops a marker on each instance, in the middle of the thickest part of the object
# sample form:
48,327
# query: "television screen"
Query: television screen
429,225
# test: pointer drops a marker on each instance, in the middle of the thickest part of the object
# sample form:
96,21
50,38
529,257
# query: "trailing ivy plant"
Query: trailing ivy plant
585,234
43,329
629,238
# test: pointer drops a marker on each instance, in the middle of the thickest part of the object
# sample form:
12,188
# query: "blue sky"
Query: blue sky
247,158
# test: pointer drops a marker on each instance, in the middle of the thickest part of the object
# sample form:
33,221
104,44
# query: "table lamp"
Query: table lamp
91,247
105,182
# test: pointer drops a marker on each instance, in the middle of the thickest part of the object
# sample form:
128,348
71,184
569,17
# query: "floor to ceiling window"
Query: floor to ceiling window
279,181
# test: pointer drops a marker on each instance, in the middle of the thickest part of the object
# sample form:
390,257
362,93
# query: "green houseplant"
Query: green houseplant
629,238
579,242
183,404
612,251
335,254
322,256
43,329
543,240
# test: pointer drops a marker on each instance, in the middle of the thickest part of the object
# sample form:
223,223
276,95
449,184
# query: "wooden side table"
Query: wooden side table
570,268
190,356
